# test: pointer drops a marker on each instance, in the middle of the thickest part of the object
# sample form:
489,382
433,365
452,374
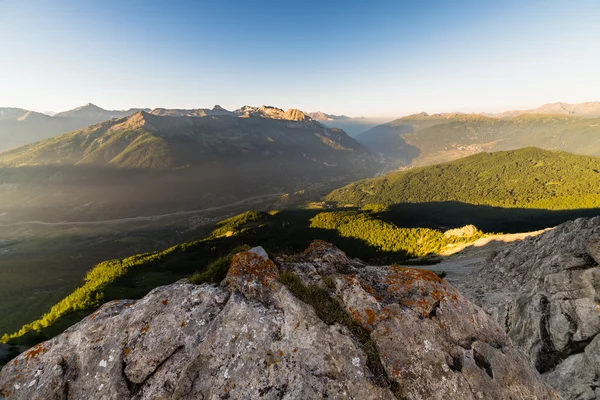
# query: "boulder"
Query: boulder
544,293
393,333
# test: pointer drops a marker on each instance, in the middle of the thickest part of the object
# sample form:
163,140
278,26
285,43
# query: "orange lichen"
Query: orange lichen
295,349
183,324
251,267
165,301
370,316
280,353
126,351
37,350
145,329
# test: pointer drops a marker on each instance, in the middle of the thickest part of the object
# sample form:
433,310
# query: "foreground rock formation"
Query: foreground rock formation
314,325
545,293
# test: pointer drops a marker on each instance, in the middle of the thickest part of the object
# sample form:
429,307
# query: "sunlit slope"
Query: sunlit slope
525,178
161,142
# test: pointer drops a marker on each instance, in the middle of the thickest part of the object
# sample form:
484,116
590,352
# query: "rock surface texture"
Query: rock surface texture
545,293
253,338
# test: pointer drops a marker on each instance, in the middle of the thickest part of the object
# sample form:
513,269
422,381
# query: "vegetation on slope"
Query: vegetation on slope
360,233
525,178
385,236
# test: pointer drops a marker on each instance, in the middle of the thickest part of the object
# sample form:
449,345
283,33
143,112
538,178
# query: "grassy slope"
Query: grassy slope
525,178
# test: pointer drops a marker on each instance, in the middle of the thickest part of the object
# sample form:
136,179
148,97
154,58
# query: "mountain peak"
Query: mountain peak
293,114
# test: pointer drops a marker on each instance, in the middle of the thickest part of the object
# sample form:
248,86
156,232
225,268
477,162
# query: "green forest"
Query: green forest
526,178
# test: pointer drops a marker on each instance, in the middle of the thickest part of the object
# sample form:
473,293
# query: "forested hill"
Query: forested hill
524,178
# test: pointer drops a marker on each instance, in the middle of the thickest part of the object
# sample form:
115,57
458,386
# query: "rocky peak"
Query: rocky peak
294,114
272,112
311,325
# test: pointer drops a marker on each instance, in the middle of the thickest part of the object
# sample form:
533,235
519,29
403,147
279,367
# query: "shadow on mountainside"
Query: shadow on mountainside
451,214
386,140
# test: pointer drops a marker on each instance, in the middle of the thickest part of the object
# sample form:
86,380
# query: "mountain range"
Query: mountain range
352,126
148,163
588,109
423,139
19,127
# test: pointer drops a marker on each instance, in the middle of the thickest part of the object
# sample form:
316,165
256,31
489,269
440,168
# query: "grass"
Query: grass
217,269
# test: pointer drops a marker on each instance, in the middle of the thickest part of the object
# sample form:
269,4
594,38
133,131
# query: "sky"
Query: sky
372,58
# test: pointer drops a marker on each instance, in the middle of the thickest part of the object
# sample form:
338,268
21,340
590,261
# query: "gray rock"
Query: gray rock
252,338
544,292
593,248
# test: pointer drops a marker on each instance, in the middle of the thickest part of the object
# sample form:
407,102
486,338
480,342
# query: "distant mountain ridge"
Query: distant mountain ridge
321,116
352,126
423,139
19,126
92,111
588,109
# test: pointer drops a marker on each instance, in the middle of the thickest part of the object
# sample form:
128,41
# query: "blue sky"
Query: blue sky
374,58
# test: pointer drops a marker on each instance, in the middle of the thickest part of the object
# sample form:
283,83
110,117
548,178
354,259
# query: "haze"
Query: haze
383,58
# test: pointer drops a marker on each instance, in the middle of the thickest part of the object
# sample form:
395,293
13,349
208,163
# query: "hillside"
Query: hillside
525,178
19,127
424,139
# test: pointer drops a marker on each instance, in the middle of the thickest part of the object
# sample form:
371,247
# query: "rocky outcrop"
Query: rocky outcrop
314,325
545,293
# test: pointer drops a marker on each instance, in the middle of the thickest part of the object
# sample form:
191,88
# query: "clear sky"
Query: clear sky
374,58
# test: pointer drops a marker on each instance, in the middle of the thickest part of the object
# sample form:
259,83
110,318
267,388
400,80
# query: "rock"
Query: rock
593,248
465,231
544,292
253,338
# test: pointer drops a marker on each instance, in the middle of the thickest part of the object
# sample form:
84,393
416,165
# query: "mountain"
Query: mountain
524,178
353,126
118,166
589,109
93,112
198,112
423,139
319,325
19,126
322,117
145,140
271,113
